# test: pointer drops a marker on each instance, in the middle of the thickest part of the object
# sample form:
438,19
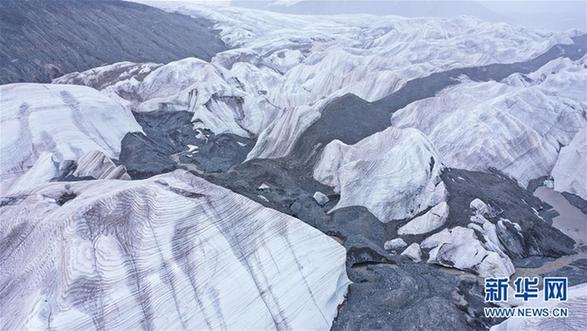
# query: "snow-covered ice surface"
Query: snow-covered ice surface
170,252
516,126
394,244
370,56
570,171
45,124
394,173
312,58
119,81
413,252
561,76
219,102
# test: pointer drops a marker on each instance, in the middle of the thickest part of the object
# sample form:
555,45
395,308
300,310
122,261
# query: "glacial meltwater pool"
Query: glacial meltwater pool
571,221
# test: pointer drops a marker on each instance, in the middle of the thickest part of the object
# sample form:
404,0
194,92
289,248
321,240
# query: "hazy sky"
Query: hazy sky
559,15
546,14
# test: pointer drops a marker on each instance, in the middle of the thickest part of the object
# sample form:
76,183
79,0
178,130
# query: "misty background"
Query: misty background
549,15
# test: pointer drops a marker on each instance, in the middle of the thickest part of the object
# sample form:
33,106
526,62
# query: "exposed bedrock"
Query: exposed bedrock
136,148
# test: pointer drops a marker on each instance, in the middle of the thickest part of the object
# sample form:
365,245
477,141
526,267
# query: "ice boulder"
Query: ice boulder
413,252
460,248
430,221
394,244
394,173
321,198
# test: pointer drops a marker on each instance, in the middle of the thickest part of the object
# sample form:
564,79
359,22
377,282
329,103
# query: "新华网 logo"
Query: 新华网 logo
526,288
497,290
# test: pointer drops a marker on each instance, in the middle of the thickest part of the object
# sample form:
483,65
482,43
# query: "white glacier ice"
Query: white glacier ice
170,252
430,221
570,171
460,248
413,252
515,128
97,165
394,173
45,124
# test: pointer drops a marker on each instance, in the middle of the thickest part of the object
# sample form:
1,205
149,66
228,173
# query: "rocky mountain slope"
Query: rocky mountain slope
43,39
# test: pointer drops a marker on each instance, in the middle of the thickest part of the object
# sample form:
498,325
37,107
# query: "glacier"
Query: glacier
370,56
218,100
170,252
327,166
